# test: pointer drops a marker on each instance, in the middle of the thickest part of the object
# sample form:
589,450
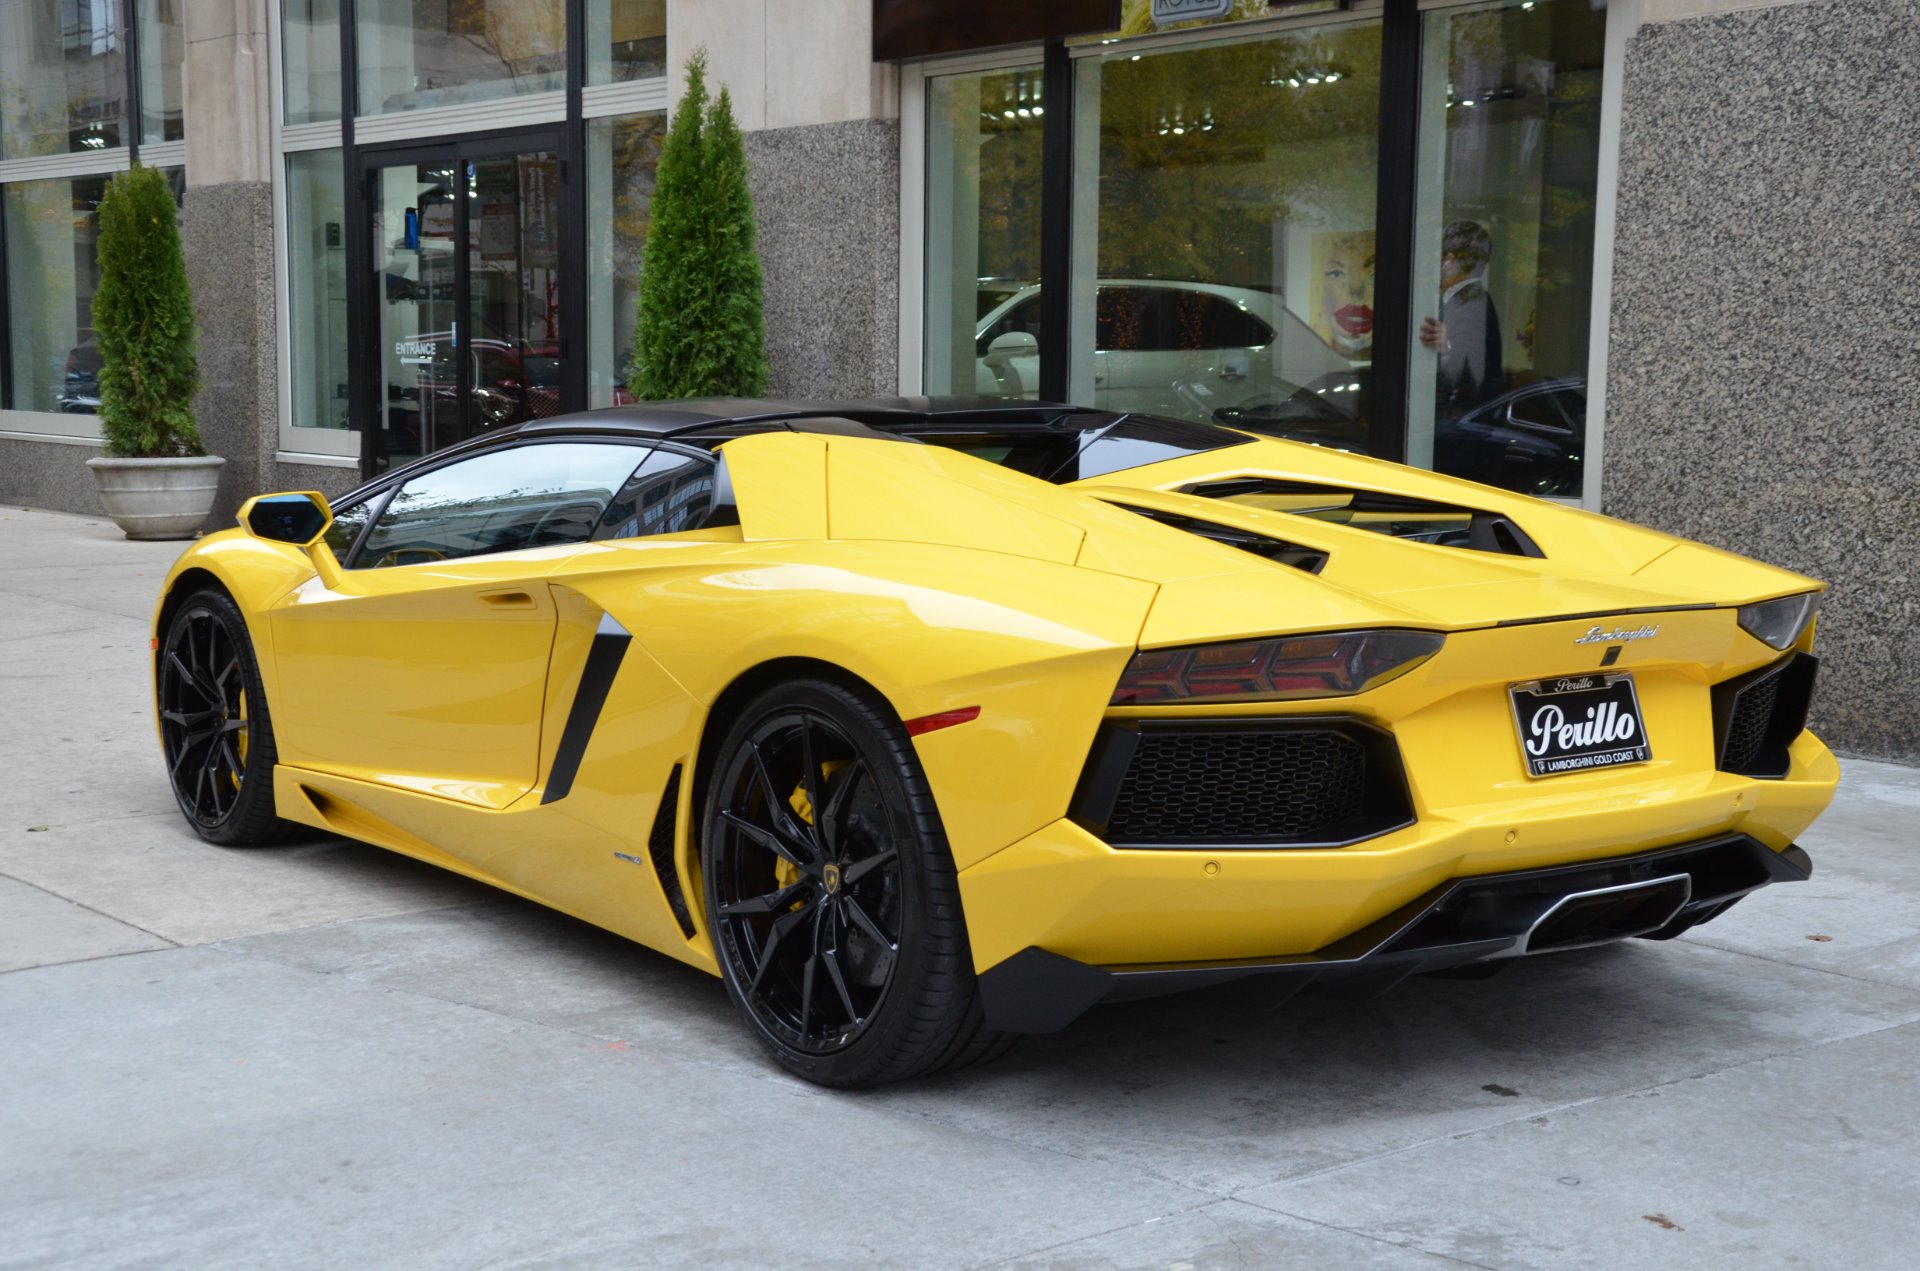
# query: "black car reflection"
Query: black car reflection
1528,439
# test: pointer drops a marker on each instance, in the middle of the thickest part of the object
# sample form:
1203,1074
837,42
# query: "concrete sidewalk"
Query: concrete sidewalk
328,1056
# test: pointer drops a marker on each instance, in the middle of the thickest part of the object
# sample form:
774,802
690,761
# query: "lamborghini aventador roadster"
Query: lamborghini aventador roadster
923,724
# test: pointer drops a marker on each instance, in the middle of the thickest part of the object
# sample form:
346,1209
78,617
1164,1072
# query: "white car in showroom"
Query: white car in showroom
1163,347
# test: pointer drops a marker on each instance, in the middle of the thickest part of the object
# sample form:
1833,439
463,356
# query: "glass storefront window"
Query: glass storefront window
417,54
1224,237
983,233
317,288
63,78
626,40
623,156
310,47
1503,242
52,229
161,53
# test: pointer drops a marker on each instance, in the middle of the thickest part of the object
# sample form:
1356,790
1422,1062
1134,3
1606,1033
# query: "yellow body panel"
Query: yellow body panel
421,706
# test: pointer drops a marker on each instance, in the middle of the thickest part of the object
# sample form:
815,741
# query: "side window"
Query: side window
496,368
500,501
1126,320
669,494
347,523
1562,409
1205,321
1024,316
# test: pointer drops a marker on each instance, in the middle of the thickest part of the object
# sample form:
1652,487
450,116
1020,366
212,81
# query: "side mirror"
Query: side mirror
301,519
1009,345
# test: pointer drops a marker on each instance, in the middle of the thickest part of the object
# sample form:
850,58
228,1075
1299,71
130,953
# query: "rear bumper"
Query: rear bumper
1478,921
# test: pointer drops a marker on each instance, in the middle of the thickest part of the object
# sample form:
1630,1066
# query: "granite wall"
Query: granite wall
827,199
1764,367
227,234
49,474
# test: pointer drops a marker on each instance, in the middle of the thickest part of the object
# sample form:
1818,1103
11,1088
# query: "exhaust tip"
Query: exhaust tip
1607,914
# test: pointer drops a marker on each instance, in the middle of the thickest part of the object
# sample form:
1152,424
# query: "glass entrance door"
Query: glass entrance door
466,312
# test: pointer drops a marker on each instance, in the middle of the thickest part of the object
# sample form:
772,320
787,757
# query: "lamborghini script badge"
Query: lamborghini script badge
1619,635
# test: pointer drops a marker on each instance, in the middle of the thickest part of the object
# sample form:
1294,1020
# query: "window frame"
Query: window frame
55,426
380,491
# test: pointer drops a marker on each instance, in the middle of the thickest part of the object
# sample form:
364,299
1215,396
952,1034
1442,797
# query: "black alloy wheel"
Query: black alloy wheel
830,892
214,730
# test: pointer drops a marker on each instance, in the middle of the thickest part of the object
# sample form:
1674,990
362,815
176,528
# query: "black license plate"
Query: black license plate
1578,723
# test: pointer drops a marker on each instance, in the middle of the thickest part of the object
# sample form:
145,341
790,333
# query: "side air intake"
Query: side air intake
660,850
1757,716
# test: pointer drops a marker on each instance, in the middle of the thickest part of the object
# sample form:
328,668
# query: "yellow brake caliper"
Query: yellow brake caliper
784,874
240,736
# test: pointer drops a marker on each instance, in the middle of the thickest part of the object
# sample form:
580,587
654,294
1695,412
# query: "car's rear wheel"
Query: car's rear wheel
830,892
214,730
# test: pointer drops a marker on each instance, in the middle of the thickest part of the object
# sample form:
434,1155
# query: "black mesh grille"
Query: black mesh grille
1747,731
1758,715
1267,783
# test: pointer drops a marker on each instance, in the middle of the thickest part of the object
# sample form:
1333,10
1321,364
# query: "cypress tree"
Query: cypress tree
701,331
143,323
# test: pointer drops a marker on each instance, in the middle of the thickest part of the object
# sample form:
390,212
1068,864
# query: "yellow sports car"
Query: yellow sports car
927,723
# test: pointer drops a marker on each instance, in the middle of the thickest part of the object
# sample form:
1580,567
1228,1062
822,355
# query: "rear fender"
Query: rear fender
1037,647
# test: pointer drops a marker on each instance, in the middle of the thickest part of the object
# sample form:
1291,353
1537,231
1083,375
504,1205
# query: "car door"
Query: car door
426,668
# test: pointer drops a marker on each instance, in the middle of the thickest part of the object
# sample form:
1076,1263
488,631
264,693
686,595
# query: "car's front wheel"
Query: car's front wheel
830,892
214,729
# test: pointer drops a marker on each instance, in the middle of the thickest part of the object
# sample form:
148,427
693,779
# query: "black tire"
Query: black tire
216,735
833,906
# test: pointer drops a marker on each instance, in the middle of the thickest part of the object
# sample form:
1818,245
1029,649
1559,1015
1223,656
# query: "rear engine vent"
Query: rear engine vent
1279,551
660,850
1420,520
1756,717
1305,782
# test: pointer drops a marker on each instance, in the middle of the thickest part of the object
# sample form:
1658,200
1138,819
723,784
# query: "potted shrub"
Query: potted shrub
156,479
700,329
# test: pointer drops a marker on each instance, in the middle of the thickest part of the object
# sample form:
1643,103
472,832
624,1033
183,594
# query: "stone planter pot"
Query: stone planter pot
158,498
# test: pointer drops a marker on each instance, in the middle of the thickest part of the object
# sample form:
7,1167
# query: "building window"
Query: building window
161,51
1224,208
317,289
310,49
626,40
1228,255
418,54
52,230
1503,242
623,155
63,78
983,233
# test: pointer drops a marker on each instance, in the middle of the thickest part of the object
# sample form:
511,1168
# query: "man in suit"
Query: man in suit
1466,335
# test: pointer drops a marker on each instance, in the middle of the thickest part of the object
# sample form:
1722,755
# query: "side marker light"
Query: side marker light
944,719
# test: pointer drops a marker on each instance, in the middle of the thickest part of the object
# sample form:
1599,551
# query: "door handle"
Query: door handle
506,600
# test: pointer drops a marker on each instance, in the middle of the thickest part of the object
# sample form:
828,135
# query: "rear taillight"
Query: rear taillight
1330,664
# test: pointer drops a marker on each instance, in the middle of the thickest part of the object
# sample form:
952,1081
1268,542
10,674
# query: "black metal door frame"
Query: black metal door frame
568,140
366,405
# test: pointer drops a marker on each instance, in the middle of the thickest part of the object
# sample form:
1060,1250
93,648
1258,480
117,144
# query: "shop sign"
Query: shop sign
1166,11
417,352
1138,17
